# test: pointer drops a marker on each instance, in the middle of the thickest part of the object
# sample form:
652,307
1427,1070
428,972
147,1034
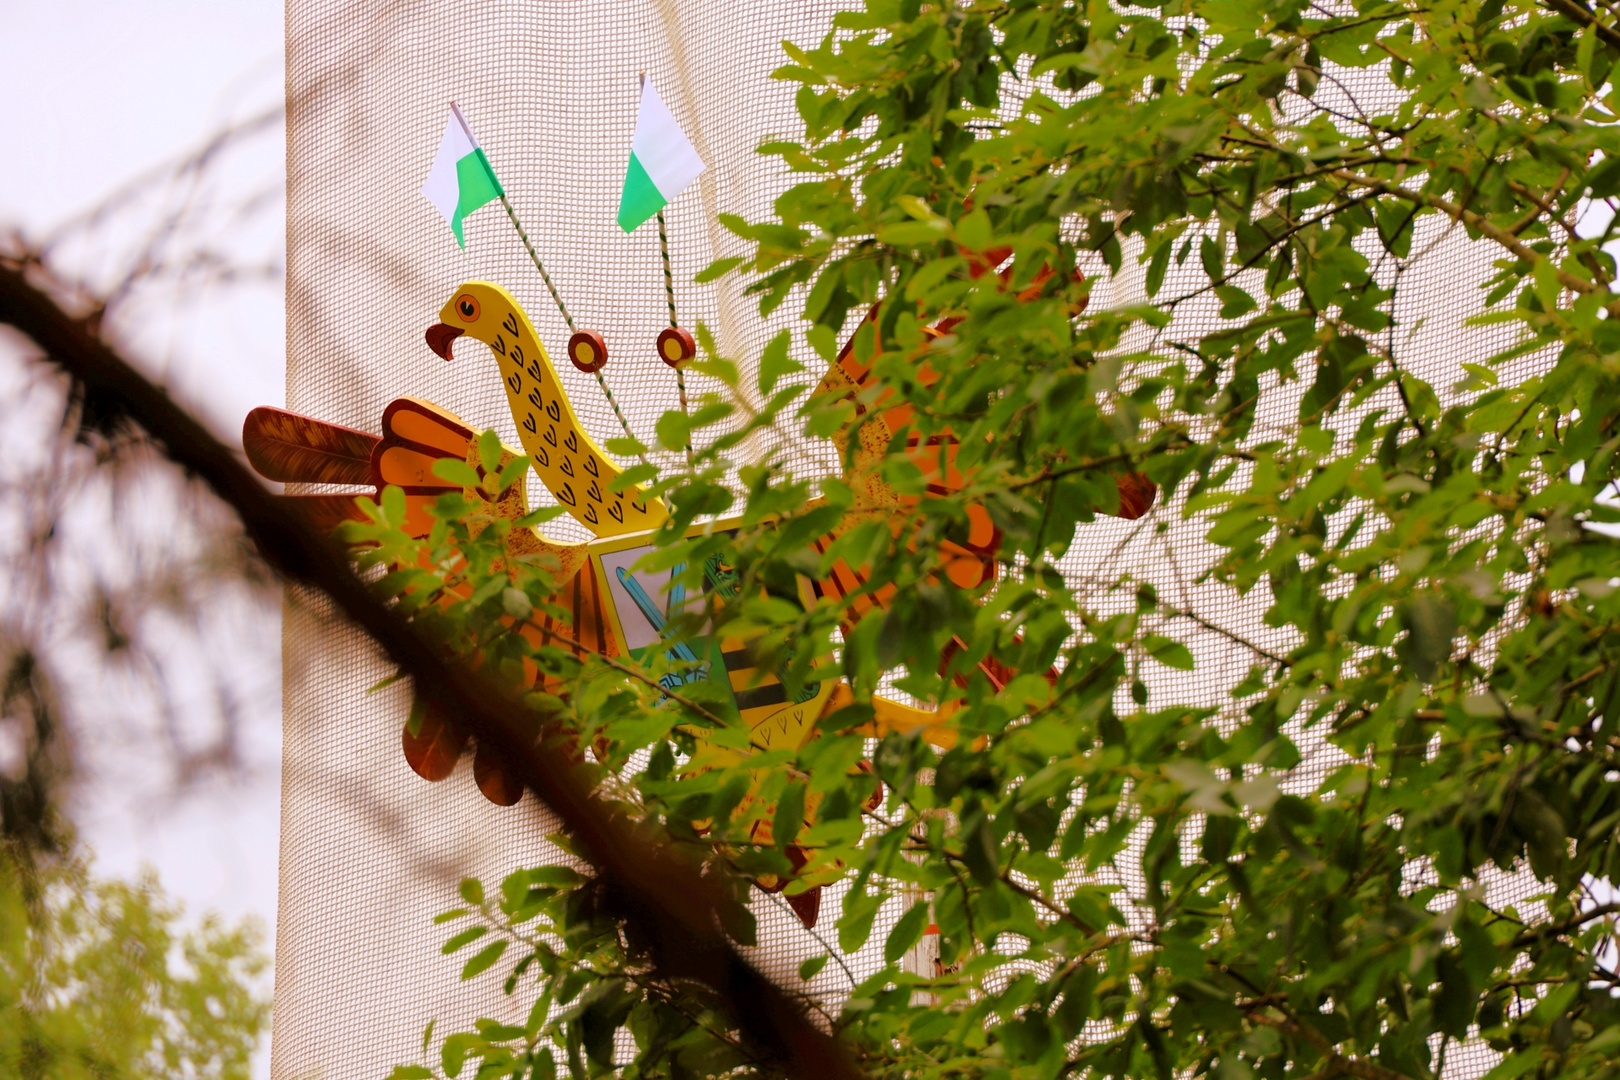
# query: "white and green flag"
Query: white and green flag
461,179
662,161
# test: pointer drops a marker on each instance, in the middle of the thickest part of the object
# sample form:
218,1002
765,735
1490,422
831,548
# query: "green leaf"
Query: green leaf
557,877
1234,301
824,341
446,916
973,231
453,1054
674,430
812,966
1515,1065
1213,256
539,516
980,851
1603,180
624,446
466,937
855,925
393,505
1431,624
1454,1005
789,818
1556,1003
912,233
718,269
384,683
489,451
484,959
743,927
515,602
1157,267
1168,652
455,472
906,932
775,362
538,1012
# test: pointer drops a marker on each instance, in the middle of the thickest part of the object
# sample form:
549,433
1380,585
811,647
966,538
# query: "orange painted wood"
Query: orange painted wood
676,346
409,467
807,906
423,422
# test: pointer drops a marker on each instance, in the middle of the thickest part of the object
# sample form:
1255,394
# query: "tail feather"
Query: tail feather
285,446
428,427
416,434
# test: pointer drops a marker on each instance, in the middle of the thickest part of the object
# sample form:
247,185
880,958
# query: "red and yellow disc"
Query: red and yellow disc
676,347
587,351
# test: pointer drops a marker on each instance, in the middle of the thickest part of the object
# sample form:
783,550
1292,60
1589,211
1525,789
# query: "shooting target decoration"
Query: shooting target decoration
587,351
675,346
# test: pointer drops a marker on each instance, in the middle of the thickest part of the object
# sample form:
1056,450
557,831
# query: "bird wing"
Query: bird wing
416,434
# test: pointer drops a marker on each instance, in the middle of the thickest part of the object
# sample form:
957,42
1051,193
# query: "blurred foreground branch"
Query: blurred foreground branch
673,904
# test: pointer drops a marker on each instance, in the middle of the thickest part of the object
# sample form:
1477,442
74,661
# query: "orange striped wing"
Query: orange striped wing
415,435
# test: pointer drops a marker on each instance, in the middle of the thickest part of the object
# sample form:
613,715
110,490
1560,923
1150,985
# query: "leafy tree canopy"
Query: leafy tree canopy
1447,620
98,981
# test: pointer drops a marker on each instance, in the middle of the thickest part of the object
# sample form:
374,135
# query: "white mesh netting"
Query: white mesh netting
370,852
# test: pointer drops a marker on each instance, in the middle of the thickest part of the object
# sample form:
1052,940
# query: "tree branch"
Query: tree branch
1572,923
1473,220
1578,13
650,884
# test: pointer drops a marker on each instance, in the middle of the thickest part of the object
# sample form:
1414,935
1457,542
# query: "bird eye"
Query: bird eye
467,307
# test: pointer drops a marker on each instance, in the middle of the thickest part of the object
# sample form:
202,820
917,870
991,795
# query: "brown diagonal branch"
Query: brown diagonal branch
1579,13
1337,1063
653,885
1474,221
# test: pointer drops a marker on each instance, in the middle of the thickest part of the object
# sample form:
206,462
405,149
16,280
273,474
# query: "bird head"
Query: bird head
475,309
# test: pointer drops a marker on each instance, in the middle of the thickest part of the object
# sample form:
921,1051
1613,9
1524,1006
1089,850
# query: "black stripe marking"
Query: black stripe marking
774,694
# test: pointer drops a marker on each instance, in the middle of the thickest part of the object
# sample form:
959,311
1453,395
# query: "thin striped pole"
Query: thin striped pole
669,295
567,318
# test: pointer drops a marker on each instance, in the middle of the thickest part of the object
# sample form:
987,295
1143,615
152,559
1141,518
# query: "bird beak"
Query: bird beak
439,337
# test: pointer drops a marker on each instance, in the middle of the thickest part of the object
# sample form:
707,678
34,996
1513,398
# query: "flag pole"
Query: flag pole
567,318
669,296
675,346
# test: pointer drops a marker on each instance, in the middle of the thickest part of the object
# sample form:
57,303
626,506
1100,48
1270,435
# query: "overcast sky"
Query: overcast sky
97,94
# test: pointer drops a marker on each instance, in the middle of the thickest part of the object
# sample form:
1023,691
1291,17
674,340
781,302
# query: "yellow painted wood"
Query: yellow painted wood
565,457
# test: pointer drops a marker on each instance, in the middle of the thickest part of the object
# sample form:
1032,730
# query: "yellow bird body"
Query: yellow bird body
570,463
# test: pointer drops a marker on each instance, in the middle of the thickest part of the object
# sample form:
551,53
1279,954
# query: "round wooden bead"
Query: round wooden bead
587,351
675,346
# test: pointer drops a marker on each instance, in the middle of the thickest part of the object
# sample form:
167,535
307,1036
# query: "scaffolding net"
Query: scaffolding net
369,852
